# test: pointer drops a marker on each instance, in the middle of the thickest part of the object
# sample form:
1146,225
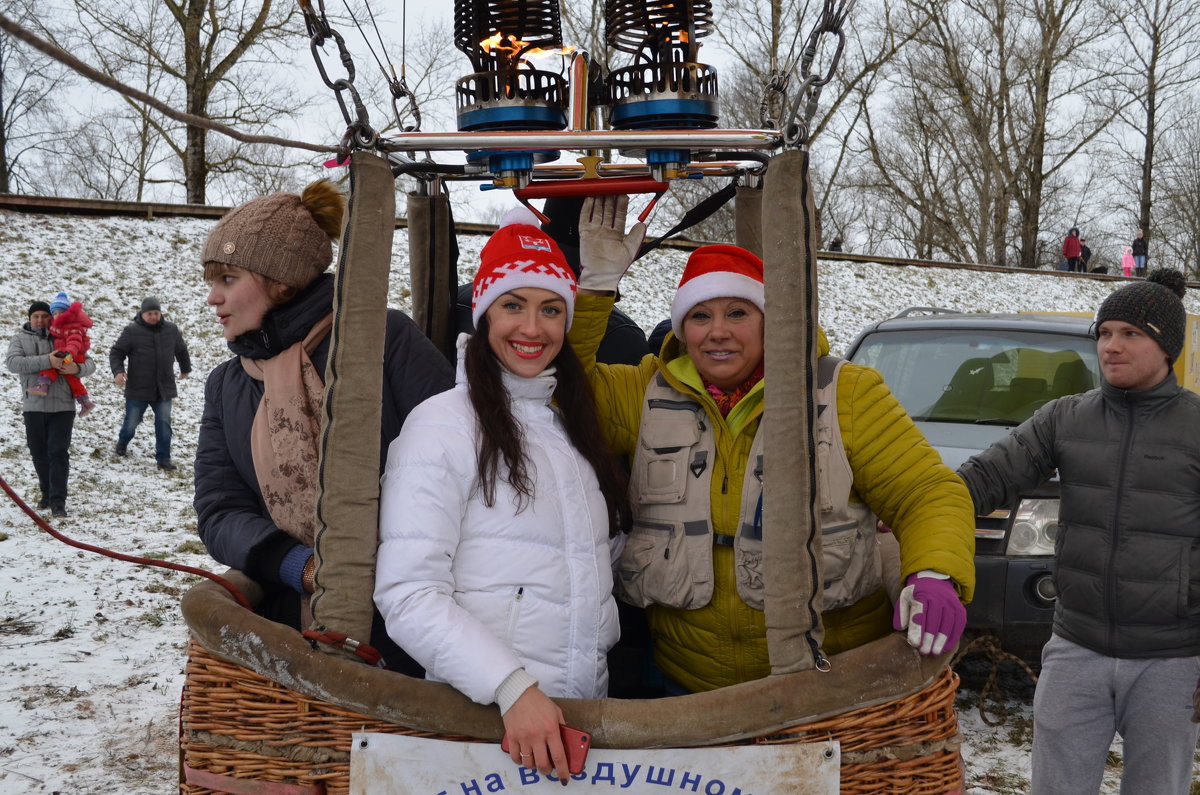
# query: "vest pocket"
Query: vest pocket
664,457
852,564
654,568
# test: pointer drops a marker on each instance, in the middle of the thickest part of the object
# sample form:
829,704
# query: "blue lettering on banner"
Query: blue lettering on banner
529,776
495,782
689,779
653,779
629,776
720,790
472,787
604,772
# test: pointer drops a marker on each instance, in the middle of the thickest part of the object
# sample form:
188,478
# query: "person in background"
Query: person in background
691,419
502,509
1085,256
835,245
256,458
1071,249
1140,248
143,363
49,418
69,326
1123,654
1127,261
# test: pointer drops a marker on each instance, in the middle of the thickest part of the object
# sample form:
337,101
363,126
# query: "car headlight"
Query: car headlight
1034,528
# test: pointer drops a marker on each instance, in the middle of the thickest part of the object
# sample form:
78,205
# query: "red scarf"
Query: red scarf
727,400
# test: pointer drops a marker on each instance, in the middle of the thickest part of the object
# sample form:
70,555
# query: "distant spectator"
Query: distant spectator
1140,253
1085,254
1127,261
69,330
1072,250
150,346
49,418
834,245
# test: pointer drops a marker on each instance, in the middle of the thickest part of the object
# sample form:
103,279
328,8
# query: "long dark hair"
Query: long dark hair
500,436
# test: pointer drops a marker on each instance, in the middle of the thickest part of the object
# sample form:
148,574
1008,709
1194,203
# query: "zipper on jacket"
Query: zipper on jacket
514,611
820,661
1110,586
725,484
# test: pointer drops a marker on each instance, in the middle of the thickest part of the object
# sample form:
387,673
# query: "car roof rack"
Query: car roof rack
927,310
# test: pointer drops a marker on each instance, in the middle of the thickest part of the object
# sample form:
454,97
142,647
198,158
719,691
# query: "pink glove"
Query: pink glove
930,609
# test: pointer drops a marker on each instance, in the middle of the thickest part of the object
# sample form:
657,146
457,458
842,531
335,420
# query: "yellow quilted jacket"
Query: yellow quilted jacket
896,473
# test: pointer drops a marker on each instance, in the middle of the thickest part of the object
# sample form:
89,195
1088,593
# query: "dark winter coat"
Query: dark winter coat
234,523
1071,246
1139,247
147,355
1128,545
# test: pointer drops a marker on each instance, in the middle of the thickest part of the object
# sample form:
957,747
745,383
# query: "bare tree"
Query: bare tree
1159,42
1009,93
28,85
212,58
1177,188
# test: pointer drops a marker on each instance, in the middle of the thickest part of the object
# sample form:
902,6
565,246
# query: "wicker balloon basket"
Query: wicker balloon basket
239,729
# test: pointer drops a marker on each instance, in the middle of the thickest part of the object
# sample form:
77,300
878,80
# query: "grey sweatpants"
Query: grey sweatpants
1083,698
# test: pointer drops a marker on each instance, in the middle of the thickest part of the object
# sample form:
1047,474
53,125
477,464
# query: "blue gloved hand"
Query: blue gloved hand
929,607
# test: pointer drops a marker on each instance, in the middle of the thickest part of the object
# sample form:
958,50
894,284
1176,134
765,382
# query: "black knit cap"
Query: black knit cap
38,306
1154,306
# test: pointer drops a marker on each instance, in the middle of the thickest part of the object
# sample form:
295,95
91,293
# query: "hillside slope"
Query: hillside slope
91,649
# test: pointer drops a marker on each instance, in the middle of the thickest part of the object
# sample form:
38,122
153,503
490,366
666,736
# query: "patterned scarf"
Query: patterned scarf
286,431
727,400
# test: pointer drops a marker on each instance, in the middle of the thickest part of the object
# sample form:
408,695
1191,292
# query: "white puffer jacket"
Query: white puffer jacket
473,593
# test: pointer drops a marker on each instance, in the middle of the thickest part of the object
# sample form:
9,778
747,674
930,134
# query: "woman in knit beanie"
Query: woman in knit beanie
265,262
501,509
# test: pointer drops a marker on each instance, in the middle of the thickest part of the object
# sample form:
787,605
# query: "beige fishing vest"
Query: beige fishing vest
668,557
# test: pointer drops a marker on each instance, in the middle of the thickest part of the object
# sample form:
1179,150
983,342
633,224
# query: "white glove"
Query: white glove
605,249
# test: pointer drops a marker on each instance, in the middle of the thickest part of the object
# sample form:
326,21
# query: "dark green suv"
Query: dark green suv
966,379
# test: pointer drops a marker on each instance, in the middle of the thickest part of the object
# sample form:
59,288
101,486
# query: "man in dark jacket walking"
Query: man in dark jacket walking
1123,655
150,345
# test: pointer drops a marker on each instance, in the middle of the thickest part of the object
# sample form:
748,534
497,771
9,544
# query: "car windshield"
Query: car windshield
981,376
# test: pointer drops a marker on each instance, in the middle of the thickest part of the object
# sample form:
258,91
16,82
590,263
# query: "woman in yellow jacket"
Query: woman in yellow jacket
689,418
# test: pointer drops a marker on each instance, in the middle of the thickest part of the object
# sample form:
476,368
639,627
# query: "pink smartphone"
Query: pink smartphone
576,743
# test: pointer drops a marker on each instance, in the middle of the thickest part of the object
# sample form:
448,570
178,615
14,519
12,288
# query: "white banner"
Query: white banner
393,764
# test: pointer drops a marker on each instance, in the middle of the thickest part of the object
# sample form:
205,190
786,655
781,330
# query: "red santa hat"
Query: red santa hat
717,272
521,255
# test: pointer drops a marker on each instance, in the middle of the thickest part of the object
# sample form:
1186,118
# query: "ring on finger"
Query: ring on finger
525,756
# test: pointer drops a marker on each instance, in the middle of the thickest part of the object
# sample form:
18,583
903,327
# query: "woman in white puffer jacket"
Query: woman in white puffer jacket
501,510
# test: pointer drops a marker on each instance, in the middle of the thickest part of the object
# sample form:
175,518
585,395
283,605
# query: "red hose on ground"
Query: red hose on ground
162,564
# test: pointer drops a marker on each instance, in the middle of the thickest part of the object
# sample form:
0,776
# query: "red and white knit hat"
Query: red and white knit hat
717,272
521,255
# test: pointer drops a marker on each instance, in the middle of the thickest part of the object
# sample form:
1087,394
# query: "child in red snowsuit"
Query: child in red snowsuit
71,341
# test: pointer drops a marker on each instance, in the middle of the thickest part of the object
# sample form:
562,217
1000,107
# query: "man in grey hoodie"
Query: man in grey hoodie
1123,655
49,418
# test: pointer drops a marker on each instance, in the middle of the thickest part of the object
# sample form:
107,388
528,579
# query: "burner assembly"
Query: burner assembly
665,87
506,92
665,95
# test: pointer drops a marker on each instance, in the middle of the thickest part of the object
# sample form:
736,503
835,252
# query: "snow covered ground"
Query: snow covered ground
92,649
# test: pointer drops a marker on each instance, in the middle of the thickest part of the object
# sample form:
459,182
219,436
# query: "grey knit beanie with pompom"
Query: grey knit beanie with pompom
1154,306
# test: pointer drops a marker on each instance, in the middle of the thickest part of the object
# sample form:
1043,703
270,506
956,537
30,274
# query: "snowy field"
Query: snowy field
92,649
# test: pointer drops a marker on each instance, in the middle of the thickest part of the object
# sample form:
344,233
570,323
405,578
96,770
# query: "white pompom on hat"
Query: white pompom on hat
721,271
520,255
